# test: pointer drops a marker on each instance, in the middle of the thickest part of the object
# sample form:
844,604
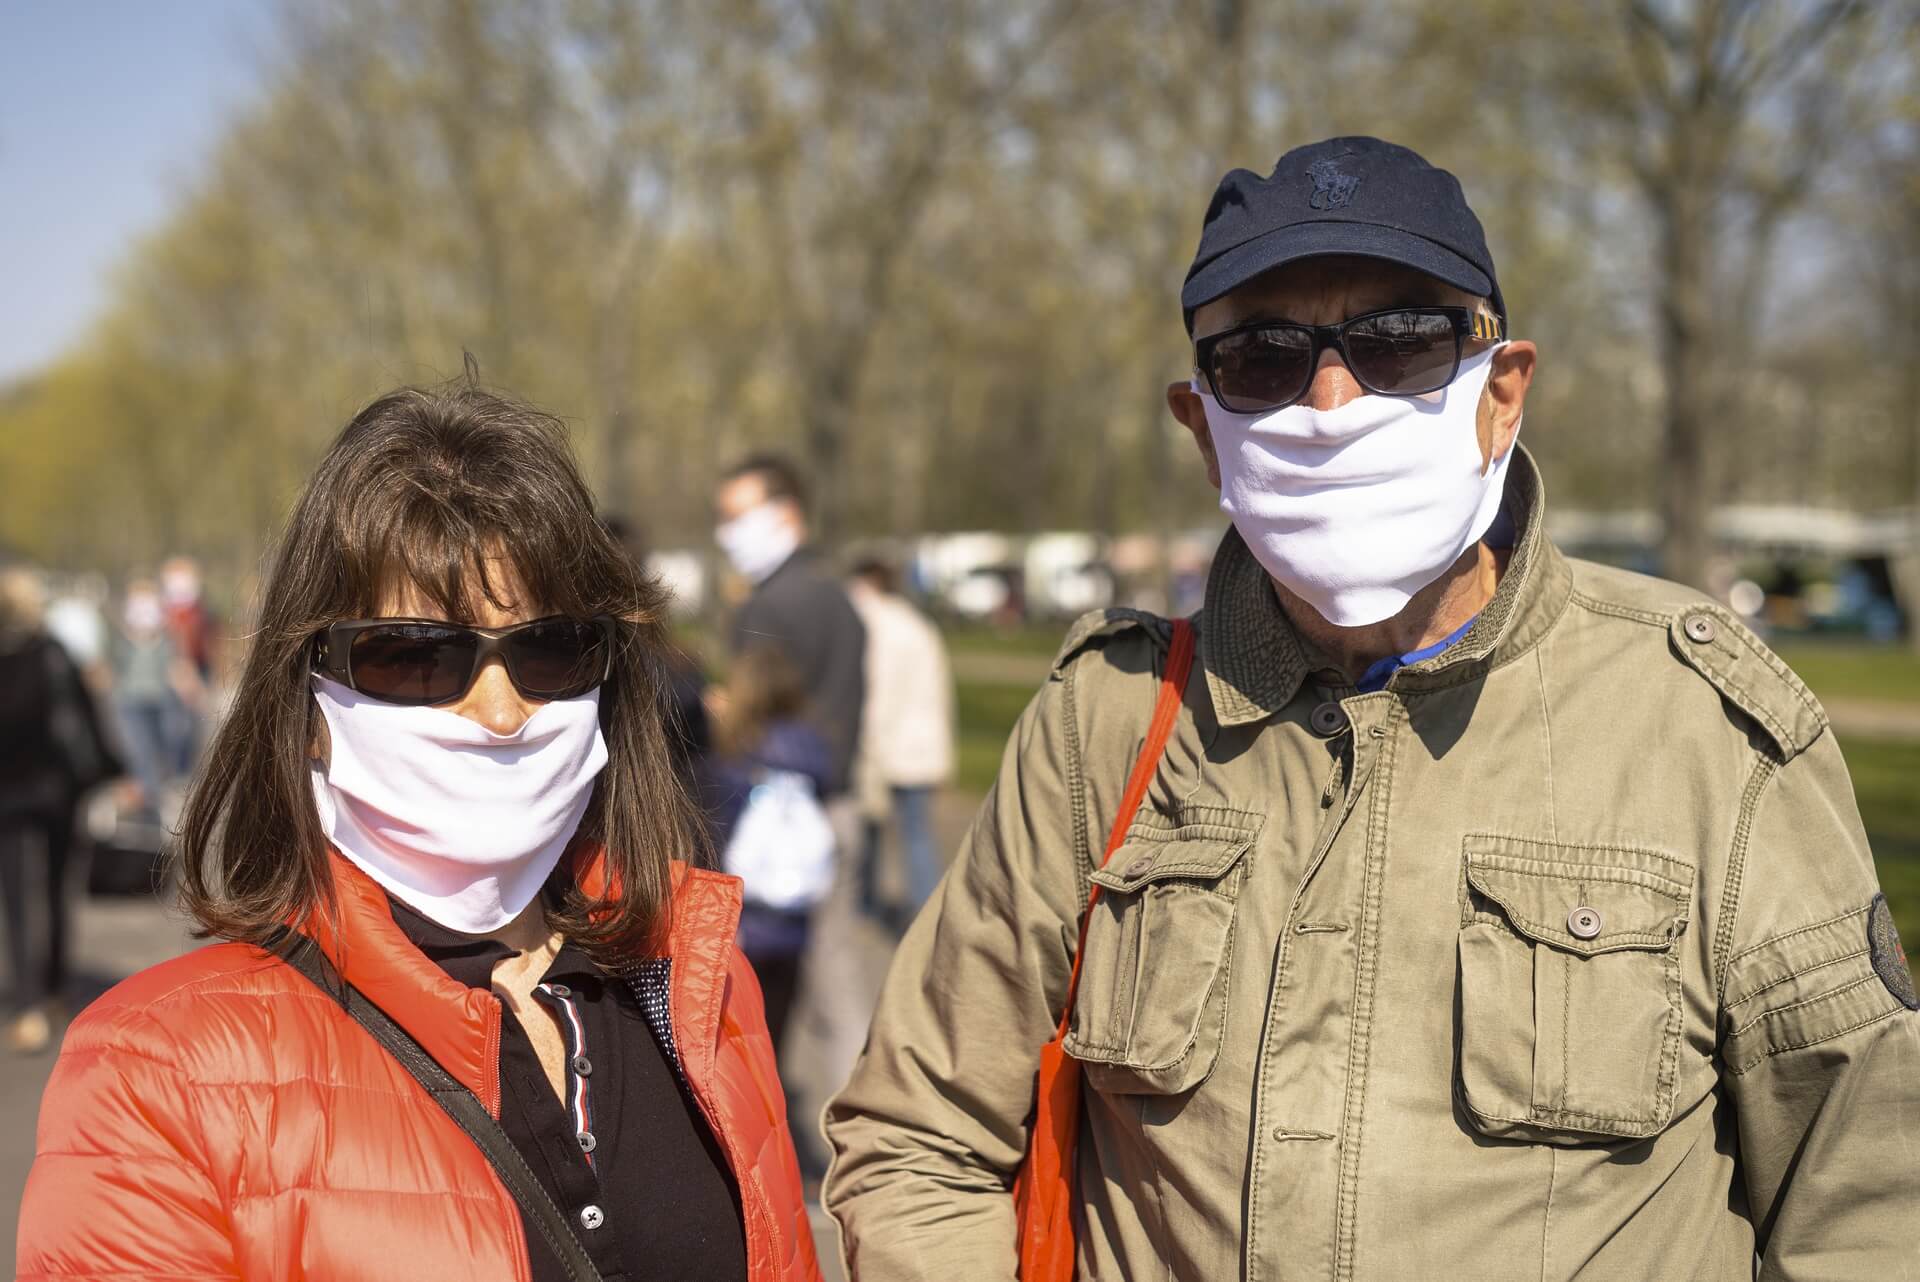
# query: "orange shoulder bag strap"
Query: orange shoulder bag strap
1043,1190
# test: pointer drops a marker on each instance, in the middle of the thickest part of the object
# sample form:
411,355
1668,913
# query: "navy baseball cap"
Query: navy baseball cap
1357,196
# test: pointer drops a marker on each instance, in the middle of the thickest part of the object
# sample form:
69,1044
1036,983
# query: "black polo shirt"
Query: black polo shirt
627,1157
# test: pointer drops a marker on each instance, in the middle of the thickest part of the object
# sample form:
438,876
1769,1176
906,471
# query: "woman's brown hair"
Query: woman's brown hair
424,486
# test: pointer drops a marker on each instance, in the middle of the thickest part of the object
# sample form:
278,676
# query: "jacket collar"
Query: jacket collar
460,1026
703,919
1255,662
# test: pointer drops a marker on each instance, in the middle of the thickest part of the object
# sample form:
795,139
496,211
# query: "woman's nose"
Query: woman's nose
492,700
1333,384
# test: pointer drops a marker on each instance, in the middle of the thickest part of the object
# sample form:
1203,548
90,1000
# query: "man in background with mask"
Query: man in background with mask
1489,914
796,603
797,606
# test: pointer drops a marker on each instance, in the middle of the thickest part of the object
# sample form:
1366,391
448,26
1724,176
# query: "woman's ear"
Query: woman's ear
1191,413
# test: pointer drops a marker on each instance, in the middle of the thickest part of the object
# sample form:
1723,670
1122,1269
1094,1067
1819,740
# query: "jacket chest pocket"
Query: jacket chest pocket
1152,1004
1570,996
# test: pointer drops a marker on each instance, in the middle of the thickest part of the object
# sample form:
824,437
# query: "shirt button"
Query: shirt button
1140,867
587,1144
592,1217
1584,922
581,1065
1328,720
559,990
1698,627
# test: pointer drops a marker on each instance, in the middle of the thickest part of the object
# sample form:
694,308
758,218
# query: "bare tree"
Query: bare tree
1694,103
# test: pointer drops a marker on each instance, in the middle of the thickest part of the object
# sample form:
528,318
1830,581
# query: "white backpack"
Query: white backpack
782,845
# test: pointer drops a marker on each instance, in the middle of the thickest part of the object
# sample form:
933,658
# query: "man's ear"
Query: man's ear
1191,412
1505,397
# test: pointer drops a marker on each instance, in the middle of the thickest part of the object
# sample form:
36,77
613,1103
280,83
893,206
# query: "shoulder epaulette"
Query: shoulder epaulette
1748,675
1096,624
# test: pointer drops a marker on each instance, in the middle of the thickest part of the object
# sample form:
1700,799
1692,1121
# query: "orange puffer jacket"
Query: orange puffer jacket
218,1116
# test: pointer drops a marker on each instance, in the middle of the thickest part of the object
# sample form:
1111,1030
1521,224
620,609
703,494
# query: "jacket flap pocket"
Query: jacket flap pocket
1205,847
1582,900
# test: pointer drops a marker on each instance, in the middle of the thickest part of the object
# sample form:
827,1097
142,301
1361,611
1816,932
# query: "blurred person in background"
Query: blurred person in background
189,620
906,738
478,1017
770,773
688,729
796,603
76,617
51,751
797,607
155,691
1470,911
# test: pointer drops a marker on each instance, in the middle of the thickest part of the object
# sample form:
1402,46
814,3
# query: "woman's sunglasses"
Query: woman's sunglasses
1406,351
422,661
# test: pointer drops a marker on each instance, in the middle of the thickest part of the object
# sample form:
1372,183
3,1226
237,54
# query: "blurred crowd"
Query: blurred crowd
817,751
103,701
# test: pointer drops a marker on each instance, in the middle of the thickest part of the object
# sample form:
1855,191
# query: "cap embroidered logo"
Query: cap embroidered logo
1333,187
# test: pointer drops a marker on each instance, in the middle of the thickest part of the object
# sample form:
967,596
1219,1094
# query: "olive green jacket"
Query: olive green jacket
1555,959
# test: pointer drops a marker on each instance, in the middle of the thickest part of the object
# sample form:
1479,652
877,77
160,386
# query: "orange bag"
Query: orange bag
1043,1190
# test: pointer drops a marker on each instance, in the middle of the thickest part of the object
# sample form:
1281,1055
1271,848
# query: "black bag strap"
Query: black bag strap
458,1102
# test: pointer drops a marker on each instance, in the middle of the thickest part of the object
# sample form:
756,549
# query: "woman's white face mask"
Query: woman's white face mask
459,823
1356,509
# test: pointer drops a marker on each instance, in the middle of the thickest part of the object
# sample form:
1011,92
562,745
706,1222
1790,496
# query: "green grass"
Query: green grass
986,714
1886,779
1038,640
1856,670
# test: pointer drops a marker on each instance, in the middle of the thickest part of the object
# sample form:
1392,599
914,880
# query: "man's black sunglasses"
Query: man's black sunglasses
423,661
1403,351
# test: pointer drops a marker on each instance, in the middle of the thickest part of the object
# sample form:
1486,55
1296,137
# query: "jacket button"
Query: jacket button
587,1144
1328,720
560,990
592,1217
581,1066
1140,867
1698,627
1584,922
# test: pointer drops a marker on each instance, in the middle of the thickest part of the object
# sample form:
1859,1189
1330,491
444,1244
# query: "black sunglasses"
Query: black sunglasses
422,661
1403,351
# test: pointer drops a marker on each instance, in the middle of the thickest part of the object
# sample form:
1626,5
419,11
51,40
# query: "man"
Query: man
1490,915
797,607
906,744
796,604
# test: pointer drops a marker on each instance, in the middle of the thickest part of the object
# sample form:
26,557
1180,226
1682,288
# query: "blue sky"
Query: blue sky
107,110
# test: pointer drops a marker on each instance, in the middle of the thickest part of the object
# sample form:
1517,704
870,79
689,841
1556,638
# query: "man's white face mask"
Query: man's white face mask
758,541
1356,509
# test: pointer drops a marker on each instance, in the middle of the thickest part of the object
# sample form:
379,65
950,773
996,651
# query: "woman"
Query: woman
445,770
51,750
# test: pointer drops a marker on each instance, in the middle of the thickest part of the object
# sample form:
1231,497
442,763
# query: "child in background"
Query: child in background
771,769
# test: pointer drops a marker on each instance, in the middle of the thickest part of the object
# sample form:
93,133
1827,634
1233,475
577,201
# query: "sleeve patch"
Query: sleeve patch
1889,958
